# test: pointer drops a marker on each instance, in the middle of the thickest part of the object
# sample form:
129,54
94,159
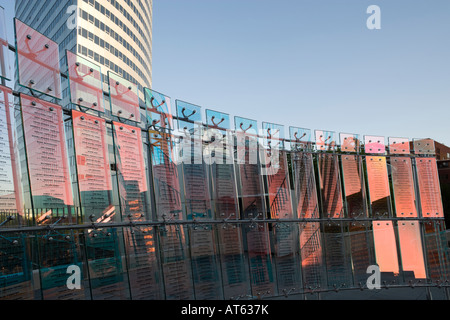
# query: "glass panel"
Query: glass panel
436,250
399,146
107,271
175,258
37,61
361,244
303,175
277,180
429,189
353,176
47,160
197,206
11,202
248,170
379,193
189,115
60,252
205,262
360,234
337,256
85,82
131,176
385,249
140,242
403,186
93,168
218,120
410,242
159,112
19,261
374,144
311,248
165,175
354,185
424,146
285,236
219,159
124,99
5,66
325,140
330,186
256,236
350,142
143,264
300,139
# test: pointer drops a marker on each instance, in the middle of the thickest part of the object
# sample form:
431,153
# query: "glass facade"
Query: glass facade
115,198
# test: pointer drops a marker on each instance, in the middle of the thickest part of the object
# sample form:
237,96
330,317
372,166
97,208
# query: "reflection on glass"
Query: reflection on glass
5,66
336,256
403,185
85,81
17,281
305,185
300,139
354,185
159,112
93,169
436,250
248,169
47,158
277,181
361,248
385,247
352,176
311,250
132,181
411,250
311,253
330,186
250,192
429,189
11,202
140,244
217,120
205,263
37,61
399,146
360,236
325,140
124,99
173,243
223,181
143,266
350,142
378,186
189,116
105,252
175,261
285,237
424,146
165,176
197,206
57,253
374,145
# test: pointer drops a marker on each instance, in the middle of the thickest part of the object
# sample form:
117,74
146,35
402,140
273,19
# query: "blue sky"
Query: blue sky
309,63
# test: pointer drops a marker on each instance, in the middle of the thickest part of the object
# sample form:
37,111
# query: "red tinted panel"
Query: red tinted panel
38,61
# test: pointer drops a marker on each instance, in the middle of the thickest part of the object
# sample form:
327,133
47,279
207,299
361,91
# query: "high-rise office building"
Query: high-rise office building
115,34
